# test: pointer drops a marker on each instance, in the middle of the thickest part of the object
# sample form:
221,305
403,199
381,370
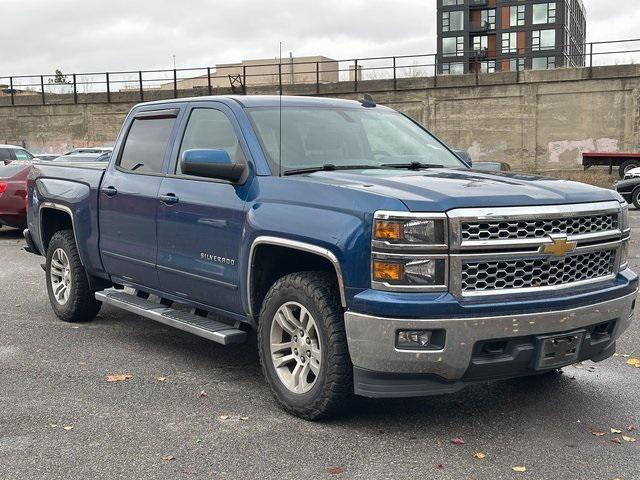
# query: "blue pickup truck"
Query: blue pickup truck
367,258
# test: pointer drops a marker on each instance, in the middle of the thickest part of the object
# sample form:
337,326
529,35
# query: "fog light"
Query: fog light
413,339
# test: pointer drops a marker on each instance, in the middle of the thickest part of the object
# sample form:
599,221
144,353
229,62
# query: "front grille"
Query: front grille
489,276
538,228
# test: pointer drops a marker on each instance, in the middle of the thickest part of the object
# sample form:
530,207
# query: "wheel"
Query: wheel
67,283
628,165
303,346
635,198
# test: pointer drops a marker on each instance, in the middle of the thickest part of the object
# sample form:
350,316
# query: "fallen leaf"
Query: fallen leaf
519,469
631,428
120,377
634,362
479,455
53,425
203,394
68,427
628,439
616,440
168,458
598,434
244,419
224,417
623,355
333,470
161,379
440,466
616,431
457,441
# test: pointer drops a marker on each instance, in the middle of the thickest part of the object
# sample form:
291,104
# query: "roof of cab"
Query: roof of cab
248,101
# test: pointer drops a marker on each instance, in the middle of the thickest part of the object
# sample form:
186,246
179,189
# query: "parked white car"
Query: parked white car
633,173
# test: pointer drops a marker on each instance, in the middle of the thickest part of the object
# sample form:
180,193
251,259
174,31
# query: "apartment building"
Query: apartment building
489,36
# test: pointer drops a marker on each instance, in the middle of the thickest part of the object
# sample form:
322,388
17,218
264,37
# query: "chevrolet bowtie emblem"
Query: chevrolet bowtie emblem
559,248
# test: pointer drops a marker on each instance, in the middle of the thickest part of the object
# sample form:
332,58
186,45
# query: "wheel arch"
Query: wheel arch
54,217
266,251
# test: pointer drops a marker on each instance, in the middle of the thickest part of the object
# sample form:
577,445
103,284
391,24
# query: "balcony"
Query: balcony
475,27
479,54
478,3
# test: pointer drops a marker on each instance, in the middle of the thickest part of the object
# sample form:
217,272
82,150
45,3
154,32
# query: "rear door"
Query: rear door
129,198
200,220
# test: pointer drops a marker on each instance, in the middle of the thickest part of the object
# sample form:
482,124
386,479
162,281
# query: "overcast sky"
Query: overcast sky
38,36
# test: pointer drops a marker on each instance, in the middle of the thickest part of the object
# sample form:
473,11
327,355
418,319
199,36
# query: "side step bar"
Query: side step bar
202,326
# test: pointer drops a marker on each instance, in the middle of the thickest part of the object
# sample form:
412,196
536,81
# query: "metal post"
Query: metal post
75,89
395,76
317,78
108,88
13,100
244,79
42,88
141,88
435,71
280,77
175,83
355,78
591,55
209,81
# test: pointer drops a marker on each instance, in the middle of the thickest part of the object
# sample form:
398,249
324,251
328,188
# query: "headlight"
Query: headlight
394,230
409,272
624,218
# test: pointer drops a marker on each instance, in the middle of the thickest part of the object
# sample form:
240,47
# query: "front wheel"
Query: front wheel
635,198
67,284
303,347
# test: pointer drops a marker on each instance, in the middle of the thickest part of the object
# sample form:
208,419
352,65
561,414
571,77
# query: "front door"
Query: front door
129,200
200,220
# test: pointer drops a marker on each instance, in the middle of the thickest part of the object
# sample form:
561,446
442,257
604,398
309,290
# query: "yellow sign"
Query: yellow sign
560,247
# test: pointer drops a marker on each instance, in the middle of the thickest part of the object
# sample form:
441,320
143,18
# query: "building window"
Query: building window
488,19
480,43
543,63
488,67
447,3
453,68
543,40
544,13
510,42
453,46
516,16
516,64
453,21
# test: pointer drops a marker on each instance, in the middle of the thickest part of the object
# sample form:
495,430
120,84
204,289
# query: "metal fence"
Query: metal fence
288,76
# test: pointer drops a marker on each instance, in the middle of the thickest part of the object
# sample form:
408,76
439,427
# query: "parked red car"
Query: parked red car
13,194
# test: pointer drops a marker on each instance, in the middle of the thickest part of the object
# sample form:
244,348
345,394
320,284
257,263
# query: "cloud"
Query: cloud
39,36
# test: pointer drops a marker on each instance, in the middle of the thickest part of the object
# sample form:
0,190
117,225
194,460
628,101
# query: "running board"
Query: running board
198,325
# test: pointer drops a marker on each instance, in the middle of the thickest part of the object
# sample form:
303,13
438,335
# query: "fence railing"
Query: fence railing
305,77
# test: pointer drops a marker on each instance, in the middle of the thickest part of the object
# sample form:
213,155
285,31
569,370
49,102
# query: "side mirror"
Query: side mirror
211,163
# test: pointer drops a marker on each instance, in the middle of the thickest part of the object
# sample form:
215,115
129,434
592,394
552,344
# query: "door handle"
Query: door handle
110,191
169,199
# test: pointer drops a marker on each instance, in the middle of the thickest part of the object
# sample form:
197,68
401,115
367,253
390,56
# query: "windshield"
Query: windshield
313,137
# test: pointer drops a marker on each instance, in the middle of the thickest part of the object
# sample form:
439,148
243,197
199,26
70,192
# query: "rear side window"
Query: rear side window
5,154
210,129
146,145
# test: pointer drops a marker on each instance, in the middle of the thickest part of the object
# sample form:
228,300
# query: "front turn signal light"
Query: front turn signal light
387,230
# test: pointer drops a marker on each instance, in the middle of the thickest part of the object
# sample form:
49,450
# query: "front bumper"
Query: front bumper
382,370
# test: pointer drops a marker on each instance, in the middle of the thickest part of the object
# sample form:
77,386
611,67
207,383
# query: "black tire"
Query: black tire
81,305
629,164
333,387
635,198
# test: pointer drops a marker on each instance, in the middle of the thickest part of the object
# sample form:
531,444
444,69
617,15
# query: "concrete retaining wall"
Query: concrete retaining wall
535,120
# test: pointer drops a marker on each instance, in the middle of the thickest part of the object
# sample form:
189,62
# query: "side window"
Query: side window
146,145
5,155
210,129
22,154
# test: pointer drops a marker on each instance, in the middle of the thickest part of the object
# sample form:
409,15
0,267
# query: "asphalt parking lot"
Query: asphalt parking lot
193,409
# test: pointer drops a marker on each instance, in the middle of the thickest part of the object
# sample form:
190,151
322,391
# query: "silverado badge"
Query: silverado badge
559,246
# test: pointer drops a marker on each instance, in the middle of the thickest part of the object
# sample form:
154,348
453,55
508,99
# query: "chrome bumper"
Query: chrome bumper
372,340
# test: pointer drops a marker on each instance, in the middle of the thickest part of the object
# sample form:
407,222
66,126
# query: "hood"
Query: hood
439,190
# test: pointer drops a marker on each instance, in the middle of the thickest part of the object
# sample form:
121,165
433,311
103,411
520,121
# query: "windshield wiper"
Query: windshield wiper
327,167
412,165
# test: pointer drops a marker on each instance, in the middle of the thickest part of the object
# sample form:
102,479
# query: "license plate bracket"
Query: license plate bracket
556,351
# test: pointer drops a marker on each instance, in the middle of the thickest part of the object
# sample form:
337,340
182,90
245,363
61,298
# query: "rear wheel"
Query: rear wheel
303,347
635,198
67,284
